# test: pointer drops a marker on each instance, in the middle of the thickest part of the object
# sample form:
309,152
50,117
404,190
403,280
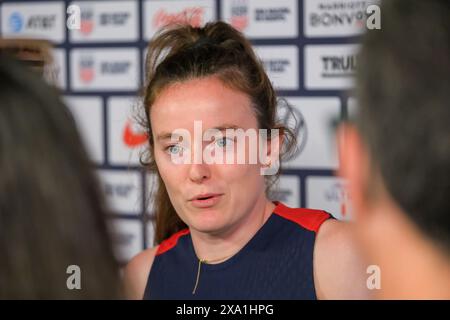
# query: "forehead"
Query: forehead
206,100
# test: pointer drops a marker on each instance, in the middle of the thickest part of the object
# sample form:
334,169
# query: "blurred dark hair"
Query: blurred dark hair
34,53
51,209
404,108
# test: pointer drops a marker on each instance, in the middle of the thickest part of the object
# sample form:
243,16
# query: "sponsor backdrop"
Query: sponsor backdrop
307,47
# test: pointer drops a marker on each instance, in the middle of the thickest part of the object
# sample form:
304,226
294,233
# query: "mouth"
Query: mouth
206,200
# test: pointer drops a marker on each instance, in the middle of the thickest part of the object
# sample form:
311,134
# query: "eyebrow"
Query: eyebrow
168,135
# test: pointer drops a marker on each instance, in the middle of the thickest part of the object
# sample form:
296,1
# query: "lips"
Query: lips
206,200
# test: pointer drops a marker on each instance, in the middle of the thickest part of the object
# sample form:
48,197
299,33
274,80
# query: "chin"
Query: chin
207,226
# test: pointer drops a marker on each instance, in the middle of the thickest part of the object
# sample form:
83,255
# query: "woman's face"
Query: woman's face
237,187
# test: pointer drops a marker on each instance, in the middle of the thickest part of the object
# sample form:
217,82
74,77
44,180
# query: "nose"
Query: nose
199,172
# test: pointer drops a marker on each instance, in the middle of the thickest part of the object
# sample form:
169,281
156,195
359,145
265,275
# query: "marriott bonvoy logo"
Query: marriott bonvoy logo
334,18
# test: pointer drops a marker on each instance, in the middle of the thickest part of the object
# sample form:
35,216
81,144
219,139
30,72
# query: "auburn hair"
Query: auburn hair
182,52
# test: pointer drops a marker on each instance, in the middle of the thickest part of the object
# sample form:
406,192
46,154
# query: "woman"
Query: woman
53,238
218,234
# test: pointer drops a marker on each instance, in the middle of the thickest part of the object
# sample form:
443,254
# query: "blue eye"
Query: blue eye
224,142
175,149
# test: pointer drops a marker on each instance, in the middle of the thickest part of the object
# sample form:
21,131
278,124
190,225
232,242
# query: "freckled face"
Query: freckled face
237,186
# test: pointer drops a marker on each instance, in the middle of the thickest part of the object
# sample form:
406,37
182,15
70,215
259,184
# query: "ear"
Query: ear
273,150
354,167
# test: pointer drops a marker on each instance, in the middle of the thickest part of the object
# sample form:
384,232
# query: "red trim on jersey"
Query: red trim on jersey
171,242
307,218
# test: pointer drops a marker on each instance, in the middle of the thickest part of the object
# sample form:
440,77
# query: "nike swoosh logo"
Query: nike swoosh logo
133,139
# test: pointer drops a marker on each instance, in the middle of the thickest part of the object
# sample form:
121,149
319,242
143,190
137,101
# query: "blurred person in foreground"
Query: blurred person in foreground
396,156
51,210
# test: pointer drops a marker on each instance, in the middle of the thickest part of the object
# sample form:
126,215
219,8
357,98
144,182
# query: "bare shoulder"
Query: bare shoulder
332,230
136,273
339,270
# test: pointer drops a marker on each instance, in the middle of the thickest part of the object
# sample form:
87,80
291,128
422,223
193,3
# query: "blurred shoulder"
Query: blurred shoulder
332,230
136,273
339,270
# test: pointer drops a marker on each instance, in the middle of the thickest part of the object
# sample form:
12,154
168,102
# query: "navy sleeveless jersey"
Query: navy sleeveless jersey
277,263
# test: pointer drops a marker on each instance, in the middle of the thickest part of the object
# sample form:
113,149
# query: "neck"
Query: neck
412,266
216,248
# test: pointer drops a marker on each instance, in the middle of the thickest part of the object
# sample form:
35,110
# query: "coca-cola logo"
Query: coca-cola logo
193,16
